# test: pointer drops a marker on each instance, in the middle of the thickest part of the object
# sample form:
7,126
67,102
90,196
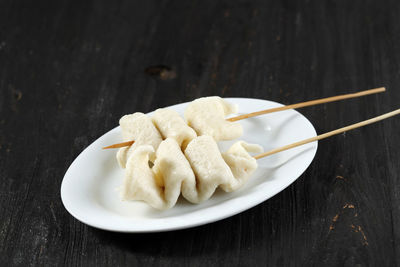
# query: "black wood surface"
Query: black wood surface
70,69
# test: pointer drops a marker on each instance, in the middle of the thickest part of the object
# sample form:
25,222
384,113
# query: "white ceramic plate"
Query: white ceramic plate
89,189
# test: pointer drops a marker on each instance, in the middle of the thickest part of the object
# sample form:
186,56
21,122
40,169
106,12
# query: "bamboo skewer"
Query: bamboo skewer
129,143
328,134
293,106
309,103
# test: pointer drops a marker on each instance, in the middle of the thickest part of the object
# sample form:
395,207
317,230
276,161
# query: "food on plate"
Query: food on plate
242,164
183,163
207,116
188,160
167,123
210,106
171,125
196,172
140,128
229,169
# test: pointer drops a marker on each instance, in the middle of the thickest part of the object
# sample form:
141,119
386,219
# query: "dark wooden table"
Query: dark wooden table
70,69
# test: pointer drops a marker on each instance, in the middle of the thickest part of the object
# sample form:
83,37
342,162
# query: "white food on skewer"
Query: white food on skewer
172,125
140,128
241,163
196,173
201,168
207,116
229,170
208,165
292,106
139,182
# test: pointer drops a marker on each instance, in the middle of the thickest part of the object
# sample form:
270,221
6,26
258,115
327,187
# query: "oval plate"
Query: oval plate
89,190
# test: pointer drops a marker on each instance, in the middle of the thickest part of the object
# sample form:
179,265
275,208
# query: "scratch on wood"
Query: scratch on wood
358,229
334,219
224,89
16,96
54,217
348,206
161,71
36,166
41,251
365,241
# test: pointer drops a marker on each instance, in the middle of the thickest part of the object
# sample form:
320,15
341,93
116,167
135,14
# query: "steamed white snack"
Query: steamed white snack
159,186
206,116
140,128
229,170
140,183
196,173
171,125
208,165
172,171
241,163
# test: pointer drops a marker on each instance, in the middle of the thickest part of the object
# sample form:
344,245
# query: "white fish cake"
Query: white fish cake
229,170
172,170
208,165
172,125
140,183
241,163
207,115
160,186
196,174
140,128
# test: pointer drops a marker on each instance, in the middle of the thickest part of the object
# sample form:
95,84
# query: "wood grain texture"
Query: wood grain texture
70,69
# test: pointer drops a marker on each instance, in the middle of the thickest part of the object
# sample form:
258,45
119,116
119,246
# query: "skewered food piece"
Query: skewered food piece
207,116
172,125
159,186
200,169
196,173
167,123
140,128
266,111
241,163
